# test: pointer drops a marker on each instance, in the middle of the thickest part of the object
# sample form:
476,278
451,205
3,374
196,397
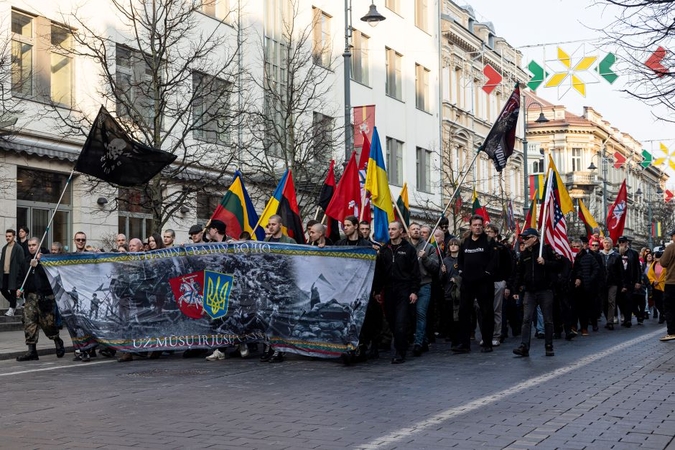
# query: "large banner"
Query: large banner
305,300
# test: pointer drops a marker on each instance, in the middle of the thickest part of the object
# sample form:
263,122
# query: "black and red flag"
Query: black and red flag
325,197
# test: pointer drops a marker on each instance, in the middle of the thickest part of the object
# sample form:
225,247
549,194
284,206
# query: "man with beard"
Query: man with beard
11,260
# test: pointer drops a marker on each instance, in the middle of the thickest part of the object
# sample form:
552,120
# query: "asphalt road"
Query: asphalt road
608,390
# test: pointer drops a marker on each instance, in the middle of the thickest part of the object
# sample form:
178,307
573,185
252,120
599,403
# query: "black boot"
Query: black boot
60,349
31,355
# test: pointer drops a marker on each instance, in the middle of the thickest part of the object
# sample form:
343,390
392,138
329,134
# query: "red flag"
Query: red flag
555,228
325,197
616,216
363,166
364,124
346,200
517,236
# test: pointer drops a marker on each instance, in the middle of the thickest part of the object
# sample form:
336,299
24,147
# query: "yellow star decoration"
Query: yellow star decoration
668,158
577,83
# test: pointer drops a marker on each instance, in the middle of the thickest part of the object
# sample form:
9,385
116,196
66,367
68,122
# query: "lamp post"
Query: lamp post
372,18
526,185
604,162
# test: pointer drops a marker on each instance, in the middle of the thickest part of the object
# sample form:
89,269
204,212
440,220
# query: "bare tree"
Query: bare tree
641,27
172,83
293,122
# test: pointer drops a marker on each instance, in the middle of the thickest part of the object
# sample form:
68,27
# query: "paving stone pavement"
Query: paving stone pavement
610,390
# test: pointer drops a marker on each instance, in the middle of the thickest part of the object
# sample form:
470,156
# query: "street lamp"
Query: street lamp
372,19
526,185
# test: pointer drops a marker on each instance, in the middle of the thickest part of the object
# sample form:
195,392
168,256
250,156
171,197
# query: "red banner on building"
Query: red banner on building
364,120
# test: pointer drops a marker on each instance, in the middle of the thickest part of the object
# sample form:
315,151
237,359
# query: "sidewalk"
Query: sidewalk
12,344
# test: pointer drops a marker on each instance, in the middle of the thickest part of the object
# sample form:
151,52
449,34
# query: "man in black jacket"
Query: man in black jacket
613,271
631,281
477,261
397,272
586,276
536,276
40,305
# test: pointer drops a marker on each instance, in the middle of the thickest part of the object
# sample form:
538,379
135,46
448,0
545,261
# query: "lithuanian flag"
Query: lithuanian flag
236,210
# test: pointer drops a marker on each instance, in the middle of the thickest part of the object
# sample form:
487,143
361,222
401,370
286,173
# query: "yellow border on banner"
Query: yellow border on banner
205,250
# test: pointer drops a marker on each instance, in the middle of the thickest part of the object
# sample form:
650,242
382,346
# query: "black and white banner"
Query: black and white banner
306,300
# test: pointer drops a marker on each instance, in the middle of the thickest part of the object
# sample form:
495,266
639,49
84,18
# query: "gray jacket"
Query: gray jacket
429,264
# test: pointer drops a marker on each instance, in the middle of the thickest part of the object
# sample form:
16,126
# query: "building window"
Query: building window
61,66
34,55
133,77
37,194
210,108
421,87
22,54
322,138
360,58
275,75
423,170
321,49
394,5
134,213
395,161
576,160
421,14
393,85
206,205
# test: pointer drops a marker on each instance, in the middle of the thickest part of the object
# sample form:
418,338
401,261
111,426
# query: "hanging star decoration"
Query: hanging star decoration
668,159
571,72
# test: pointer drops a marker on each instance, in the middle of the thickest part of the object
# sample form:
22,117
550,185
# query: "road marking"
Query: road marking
396,436
45,369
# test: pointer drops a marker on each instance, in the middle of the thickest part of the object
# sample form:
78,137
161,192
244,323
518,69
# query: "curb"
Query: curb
41,352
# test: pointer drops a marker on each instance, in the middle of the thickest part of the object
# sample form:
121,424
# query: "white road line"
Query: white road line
45,369
391,438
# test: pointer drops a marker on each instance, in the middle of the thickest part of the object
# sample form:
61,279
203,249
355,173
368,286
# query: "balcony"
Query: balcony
580,179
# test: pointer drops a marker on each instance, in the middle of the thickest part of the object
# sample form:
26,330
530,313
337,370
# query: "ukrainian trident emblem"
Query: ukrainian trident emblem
217,293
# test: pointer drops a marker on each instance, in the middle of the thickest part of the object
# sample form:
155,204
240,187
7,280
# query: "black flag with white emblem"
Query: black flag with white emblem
111,155
502,137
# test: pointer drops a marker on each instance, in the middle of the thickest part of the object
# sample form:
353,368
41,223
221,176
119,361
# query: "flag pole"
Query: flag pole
363,206
316,214
49,224
400,215
466,172
545,212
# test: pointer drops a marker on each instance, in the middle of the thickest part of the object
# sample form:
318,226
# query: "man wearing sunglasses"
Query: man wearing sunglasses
536,275
80,241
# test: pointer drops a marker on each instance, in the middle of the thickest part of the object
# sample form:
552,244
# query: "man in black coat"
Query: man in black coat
11,260
397,272
537,275
586,276
631,281
477,261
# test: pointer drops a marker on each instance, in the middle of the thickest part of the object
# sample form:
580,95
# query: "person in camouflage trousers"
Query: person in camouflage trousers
39,307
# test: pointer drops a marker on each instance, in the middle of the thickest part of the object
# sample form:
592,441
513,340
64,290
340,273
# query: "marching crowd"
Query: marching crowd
428,285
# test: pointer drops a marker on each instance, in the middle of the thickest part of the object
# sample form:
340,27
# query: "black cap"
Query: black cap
194,229
623,239
529,232
584,239
219,225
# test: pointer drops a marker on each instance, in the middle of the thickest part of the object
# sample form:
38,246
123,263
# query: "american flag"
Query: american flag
555,228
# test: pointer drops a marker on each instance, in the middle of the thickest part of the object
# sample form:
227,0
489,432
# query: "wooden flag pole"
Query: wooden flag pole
401,217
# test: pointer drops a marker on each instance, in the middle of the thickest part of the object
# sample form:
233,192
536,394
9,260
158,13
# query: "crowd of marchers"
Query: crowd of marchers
428,285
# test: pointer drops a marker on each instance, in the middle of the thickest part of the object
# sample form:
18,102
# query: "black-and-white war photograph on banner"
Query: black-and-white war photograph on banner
309,301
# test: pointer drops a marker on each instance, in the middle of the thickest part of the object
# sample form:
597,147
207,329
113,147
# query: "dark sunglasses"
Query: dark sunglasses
80,240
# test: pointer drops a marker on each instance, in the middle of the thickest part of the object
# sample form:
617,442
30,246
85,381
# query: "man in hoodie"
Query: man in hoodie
477,261
429,264
536,276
